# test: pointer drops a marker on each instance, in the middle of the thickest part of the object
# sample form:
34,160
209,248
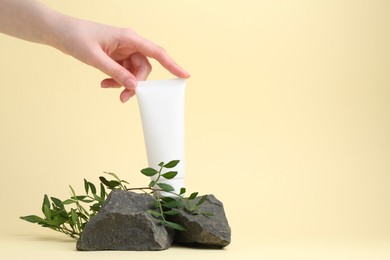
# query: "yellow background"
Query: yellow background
287,119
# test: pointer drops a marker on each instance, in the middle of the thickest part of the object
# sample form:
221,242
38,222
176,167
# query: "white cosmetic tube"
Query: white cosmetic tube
161,104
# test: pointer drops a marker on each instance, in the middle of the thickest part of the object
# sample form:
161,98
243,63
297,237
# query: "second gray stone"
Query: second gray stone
201,230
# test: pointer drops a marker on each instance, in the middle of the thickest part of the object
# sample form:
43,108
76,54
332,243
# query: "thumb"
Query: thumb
117,72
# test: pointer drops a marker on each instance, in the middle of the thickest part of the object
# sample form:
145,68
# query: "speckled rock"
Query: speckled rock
124,224
201,230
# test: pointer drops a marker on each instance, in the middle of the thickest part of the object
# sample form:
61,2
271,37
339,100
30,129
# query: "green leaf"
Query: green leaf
47,212
174,225
57,202
165,187
113,175
92,187
152,183
167,199
154,213
172,204
72,191
171,164
87,200
32,219
80,197
98,198
171,212
169,175
206,213
86,186
161,164
202,199
182,191
74,219
155,204
110,184
190,207
46,203
149,172
193,195
102,191
57,222
68,201
96,207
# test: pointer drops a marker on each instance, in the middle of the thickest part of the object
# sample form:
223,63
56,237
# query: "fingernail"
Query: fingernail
124,99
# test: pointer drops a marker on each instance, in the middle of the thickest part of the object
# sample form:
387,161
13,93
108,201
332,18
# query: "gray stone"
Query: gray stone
124,224
201,230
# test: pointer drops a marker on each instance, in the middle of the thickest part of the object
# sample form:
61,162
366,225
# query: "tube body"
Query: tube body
161,105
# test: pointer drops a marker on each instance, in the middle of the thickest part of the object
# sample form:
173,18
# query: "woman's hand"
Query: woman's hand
118,52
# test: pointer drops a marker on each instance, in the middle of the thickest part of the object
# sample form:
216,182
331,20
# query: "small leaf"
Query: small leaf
73,215
172,204
104,181
47,212
92,186
32,219
95,207
86,186
169,175
68,201
202,200
182,191
171,164
161,164
189,207
87,200
165,187
174,225
57,222
113,175
151,184
46,201
72,190
98,198
110,184
154,213
80,197
171,212
102,191
167,199
149,172
193,195
57,202
206,213
155,204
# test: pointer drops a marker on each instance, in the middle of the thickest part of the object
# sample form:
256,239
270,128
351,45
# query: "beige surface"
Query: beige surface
54,247
287,122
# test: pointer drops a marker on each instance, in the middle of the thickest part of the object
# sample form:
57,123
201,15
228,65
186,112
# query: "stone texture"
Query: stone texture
201,230
123,224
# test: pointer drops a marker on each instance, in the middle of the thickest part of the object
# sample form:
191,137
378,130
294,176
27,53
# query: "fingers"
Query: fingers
139,66
119,74
126,95
110,83
151,50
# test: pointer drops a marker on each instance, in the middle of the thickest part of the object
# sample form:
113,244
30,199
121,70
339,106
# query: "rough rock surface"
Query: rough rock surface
201,230
123,224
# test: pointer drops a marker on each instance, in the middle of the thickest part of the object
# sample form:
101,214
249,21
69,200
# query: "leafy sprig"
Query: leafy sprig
72,221
71,215
170,205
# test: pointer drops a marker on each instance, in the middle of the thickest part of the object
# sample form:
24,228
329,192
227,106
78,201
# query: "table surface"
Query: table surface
56,246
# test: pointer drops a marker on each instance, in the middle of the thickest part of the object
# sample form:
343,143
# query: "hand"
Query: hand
118,52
